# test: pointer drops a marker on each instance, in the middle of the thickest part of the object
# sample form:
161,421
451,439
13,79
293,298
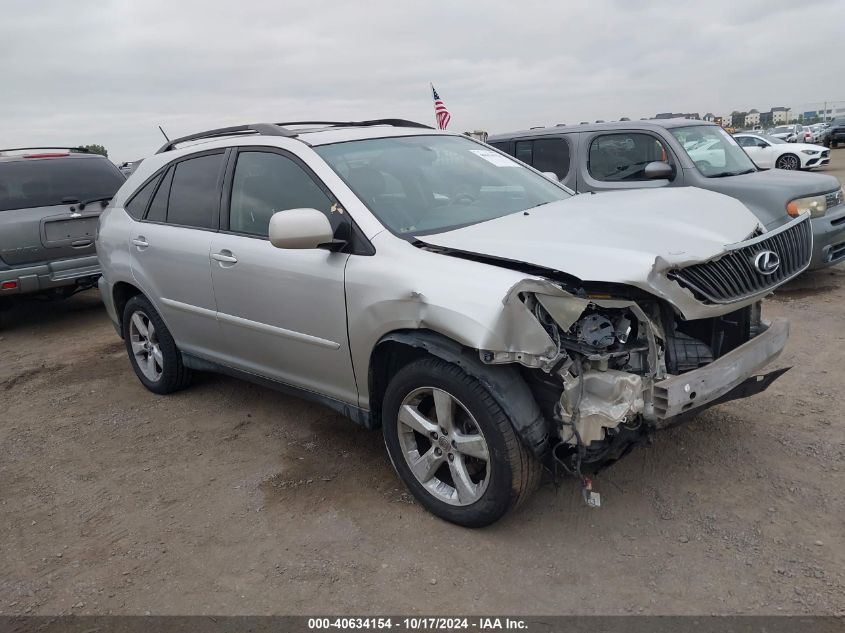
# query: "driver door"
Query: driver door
758,150
282,313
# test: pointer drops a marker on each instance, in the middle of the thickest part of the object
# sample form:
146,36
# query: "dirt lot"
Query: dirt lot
232,499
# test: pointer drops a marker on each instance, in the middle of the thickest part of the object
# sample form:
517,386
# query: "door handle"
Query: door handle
225,257
141,242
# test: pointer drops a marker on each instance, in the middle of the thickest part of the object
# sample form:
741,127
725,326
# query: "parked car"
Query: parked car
653,154
488,320
834,133
768,152
788,133
50,200
805,135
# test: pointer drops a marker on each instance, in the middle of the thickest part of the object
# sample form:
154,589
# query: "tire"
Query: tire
152,351
789,162
480,426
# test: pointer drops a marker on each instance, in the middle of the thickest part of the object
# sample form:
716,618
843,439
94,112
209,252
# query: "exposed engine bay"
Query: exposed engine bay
600,382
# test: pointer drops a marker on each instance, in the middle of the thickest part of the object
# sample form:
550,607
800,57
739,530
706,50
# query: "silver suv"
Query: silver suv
50,199
491,322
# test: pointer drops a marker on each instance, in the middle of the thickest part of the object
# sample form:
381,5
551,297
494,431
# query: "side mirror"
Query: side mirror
762,145
658,170
551,176
300,229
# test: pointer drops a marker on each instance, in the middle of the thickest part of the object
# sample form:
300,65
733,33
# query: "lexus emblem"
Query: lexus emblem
766,262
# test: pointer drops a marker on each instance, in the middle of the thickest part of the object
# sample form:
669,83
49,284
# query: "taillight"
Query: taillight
9,285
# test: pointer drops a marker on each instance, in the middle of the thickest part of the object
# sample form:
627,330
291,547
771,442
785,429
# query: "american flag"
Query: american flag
440,111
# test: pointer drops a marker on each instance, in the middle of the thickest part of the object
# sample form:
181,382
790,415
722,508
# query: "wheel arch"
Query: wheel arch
504,382
122,292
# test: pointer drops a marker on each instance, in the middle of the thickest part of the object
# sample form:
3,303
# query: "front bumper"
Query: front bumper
829,238
823,158
41,277
678,395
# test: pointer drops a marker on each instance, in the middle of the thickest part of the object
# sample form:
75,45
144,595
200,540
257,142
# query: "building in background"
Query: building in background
752,118
781,115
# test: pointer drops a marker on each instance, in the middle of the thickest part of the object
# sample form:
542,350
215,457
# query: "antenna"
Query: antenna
163,134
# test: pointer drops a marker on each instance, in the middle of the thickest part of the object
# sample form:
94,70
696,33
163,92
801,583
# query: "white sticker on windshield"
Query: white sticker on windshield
494,158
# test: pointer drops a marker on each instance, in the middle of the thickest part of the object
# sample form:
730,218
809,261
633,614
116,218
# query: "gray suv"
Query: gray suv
683,153
489,321
50,200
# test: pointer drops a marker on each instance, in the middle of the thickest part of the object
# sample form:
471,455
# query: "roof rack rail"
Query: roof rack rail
81,150
266,129
392,122
280,129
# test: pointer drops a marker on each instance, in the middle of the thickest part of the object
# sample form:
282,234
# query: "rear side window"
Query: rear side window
522,151
158,207
138,204
623,156
194,194
45,182
502,146
266,182
551,154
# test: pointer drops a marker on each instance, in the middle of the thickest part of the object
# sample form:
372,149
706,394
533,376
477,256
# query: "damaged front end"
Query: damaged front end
616,368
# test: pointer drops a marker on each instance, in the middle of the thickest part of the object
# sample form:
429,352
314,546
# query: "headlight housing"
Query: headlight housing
809,152
816,206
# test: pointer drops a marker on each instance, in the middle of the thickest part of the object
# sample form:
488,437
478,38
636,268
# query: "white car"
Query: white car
707,154
768,151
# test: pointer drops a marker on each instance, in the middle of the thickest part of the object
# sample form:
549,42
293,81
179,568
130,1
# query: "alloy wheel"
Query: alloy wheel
788,162
443,446
145,346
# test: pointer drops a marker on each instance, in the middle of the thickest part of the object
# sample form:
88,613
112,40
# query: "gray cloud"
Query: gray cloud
110,71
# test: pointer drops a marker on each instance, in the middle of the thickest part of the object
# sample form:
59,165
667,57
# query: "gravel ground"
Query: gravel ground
232,499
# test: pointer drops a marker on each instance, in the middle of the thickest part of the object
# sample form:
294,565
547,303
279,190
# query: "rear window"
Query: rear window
45,182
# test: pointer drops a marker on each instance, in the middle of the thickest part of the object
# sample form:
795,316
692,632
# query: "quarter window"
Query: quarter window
266,182
194,194
623,157
138,204
158,207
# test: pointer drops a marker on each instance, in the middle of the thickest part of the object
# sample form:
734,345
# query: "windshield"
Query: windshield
29,183
781,130
714,151
428,184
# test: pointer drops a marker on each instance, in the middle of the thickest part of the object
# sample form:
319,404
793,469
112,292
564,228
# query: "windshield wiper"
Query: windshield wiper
104,200
722,174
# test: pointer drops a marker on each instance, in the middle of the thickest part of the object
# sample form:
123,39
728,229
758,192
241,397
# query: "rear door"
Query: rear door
549,154
40,216
170,249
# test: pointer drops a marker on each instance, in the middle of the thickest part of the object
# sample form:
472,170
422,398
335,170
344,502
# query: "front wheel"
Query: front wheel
788,161
453,446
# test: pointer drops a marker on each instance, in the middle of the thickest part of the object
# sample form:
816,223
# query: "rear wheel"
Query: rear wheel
453,445
152,351
788,161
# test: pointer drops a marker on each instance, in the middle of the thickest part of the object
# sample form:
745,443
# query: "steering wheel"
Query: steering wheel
703,165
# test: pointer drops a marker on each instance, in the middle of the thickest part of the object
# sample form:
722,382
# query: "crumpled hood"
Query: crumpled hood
611,237
767,193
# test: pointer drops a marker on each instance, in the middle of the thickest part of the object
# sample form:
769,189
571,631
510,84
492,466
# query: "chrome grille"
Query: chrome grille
734,276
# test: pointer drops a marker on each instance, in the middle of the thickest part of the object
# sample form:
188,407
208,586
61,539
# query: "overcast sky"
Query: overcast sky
109,71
